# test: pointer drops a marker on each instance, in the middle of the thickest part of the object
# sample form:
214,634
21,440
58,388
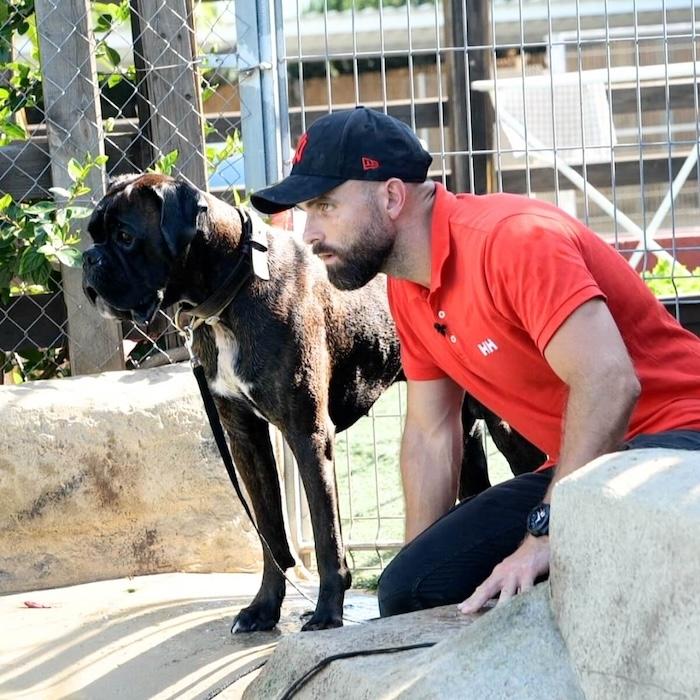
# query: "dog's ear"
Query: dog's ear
181,206
95,226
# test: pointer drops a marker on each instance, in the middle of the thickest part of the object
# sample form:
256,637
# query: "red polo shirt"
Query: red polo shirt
506,273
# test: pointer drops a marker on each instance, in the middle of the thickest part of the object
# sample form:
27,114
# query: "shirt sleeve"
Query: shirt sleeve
537,274
416,361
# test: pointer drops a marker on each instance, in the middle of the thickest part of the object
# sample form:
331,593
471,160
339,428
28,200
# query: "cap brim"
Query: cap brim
292,190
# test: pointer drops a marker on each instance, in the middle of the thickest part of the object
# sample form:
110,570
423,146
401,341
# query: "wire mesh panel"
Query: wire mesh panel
593,106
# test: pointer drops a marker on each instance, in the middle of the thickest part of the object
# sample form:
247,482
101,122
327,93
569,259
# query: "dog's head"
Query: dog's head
141,228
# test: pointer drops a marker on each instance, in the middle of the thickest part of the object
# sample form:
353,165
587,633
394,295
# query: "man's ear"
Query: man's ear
181,205
395,194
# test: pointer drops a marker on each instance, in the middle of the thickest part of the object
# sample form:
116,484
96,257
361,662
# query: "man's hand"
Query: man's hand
515,574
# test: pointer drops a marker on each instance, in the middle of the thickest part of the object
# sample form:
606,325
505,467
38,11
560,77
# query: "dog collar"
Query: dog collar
252,261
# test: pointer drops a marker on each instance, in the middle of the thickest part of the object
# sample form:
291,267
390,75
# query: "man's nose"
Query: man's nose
312,233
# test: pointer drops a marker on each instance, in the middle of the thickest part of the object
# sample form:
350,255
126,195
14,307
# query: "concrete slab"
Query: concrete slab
156,637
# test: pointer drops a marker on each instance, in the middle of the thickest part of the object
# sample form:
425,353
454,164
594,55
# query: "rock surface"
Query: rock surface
626,574
509,652
114,475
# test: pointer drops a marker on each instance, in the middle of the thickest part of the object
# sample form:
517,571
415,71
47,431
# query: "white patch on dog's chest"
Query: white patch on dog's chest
227,383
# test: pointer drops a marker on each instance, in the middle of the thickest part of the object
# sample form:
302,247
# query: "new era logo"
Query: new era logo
487,347
369,163
298,154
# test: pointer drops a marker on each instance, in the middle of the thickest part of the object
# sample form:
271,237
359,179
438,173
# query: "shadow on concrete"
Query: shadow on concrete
177,648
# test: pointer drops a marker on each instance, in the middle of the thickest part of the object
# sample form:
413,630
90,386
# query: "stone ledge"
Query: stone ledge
510,652
114,475
626,574
623,620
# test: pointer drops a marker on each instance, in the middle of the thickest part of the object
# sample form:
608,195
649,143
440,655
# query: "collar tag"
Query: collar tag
261,267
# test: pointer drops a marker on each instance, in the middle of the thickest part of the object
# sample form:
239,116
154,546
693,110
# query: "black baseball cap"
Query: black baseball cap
356,144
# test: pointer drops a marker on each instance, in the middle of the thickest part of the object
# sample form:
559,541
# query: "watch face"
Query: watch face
538,520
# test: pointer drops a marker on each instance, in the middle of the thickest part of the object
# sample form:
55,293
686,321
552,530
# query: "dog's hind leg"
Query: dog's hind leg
314,455
522,456
252,453
474,475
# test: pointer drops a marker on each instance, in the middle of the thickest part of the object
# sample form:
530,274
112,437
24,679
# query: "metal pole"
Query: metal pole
471,113
258,83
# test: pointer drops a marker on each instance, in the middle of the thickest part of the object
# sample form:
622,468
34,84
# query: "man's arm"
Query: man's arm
431,451
588,354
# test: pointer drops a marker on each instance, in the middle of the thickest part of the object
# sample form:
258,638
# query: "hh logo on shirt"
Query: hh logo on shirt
487,347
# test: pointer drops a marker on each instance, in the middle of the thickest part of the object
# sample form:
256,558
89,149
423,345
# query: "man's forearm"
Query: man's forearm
430,474
593,426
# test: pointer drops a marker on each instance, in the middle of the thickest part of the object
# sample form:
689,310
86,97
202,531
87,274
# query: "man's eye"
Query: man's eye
123,237
323,206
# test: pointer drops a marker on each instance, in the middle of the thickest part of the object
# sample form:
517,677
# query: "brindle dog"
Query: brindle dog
291,351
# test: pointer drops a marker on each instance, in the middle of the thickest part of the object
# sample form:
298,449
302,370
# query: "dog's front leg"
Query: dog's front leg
315,459
254,459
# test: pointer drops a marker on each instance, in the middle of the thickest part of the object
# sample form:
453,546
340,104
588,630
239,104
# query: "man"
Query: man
512,300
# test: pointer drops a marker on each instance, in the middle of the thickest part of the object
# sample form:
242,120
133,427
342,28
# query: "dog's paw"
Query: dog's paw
254,619
322,621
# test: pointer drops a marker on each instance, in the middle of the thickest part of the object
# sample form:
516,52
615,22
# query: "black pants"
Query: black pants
446,562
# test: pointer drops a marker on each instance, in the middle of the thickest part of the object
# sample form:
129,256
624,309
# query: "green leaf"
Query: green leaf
14,132
46,249
166,163
42,207
5,201
103,23
124,12
80,190
79,212
60,192
114,80
70,257
112,55
101,160
75,170
31,264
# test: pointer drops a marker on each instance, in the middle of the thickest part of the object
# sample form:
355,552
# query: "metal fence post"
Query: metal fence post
170,108
471,112
74,129
259,31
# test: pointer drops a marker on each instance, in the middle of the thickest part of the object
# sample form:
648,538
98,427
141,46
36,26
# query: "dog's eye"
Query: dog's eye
123,237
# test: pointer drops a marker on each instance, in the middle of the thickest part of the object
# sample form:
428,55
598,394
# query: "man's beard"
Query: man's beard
355,266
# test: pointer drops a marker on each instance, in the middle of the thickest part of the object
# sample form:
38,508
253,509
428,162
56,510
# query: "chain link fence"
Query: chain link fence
90,89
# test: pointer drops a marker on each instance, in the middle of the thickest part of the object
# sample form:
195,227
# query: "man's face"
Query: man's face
348,230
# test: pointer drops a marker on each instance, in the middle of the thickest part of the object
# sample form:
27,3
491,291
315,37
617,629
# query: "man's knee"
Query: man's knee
395,590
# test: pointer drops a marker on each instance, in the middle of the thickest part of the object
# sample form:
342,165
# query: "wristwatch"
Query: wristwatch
538,520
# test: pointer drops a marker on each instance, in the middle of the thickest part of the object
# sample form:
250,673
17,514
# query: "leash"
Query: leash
300,682
220,439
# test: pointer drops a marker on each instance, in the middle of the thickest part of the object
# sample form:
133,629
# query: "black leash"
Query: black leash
220,439
300,682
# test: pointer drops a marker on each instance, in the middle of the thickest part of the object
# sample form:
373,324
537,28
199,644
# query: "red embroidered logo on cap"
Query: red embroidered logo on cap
298,154
369,163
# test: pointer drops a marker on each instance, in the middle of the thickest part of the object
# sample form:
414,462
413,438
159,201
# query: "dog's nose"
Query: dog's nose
91,257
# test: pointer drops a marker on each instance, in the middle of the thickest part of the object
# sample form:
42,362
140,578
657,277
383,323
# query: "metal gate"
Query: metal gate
593,106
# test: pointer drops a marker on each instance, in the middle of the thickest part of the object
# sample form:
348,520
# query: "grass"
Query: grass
371,499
